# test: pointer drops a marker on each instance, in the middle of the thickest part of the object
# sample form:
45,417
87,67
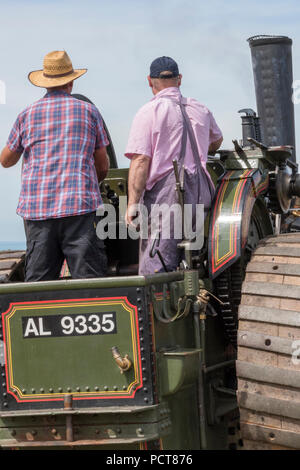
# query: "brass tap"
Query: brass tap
123,363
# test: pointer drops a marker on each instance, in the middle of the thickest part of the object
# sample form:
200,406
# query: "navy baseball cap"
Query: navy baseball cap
164,64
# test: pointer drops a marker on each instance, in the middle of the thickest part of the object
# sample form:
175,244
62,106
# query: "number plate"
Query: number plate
69,325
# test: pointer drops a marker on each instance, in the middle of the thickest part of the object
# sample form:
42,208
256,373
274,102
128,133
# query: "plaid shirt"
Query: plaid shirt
58,135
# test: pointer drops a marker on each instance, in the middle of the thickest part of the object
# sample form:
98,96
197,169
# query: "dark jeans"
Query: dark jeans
73,238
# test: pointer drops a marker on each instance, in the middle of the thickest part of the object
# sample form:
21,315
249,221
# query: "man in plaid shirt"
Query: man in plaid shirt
63,143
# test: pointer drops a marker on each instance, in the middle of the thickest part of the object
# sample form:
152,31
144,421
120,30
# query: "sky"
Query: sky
116,41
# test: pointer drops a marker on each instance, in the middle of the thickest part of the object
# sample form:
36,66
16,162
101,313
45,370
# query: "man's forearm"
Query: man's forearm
215,145
9,158
101,163
137,178
102,172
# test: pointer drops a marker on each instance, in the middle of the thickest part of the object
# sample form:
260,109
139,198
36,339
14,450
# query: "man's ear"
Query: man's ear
179,79
150,81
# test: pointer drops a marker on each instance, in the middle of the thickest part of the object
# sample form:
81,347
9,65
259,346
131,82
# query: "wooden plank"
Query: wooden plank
271,290
270,374
265,342
259,327
12,254
262,258
264,277
291,251
273,268
269,405
258,445
8,264
269,315
261,301
271,435
263,358
281,238
271,390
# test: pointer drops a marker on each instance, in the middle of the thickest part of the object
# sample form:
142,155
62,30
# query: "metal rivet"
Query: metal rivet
105,388
97,389
146,400
87,389
145,389
54,431
32,390
78,389
60,389
69,389
51,390
4,395
124,387
5,404
24,391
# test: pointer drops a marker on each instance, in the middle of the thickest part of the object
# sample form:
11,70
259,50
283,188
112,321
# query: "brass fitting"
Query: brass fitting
123,363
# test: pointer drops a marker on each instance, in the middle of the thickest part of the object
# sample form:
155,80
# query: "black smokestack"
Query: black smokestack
273,79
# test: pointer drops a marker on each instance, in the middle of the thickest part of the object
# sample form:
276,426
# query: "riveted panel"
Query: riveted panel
59,343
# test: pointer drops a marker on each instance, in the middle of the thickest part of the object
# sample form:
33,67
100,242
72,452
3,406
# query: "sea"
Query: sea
10,245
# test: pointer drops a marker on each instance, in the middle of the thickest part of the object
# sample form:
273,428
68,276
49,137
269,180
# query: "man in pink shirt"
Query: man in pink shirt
169,127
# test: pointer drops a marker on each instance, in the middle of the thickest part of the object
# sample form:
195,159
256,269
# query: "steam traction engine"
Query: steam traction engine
170,361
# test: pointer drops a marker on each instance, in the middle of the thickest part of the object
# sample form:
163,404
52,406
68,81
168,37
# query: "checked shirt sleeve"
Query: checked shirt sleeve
14,142
101,136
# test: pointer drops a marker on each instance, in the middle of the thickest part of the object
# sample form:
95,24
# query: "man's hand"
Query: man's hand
9,158
101,163
137,178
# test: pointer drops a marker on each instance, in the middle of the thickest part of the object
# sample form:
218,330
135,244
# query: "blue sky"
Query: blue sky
117,40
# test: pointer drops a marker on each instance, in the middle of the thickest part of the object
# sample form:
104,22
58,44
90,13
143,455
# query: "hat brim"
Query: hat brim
37,78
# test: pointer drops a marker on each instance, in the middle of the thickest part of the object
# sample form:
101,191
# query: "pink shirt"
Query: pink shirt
157,128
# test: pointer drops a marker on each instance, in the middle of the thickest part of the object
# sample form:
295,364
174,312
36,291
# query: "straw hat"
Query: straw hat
58,71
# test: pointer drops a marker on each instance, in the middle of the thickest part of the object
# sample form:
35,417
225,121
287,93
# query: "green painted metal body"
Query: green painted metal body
62,386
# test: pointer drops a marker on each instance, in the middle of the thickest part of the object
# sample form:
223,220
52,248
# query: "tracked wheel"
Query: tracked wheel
12,266
268,365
